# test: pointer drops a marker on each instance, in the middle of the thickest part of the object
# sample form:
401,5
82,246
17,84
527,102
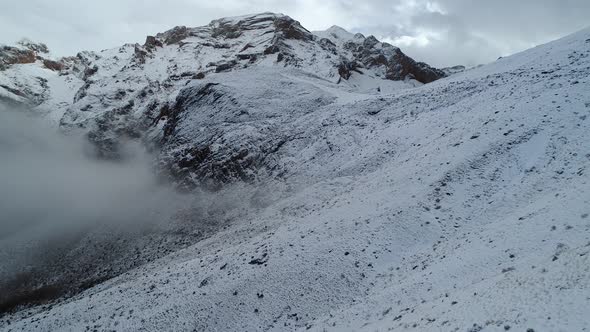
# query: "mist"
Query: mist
70,220
51,181
54,191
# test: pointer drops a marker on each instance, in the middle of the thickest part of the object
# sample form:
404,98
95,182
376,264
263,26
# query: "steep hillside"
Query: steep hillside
214,106
458,205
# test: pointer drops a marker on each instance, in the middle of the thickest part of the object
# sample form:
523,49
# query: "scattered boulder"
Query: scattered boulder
226,66
346,68
152,42
53,65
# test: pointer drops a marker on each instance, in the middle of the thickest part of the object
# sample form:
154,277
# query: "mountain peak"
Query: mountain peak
336,32
338,35
249,17
337,29
273,38
24,51
237,26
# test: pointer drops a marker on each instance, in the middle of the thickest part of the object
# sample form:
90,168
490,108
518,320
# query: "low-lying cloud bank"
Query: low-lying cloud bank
53,190
70,220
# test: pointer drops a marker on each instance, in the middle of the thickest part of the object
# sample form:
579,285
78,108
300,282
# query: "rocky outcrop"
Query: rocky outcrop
53,65
151,43
12,55
291,29
24,52
175,35
346,68
197,158
372,53
278,36
401,66
218,132
453,70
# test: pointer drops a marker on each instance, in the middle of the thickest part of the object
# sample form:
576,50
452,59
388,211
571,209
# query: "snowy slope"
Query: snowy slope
458,205
264,71
44,89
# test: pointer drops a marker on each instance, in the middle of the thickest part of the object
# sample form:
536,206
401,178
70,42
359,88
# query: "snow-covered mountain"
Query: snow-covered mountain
135,89
367,199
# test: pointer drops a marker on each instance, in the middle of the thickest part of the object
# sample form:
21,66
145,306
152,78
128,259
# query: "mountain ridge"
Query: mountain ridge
127,92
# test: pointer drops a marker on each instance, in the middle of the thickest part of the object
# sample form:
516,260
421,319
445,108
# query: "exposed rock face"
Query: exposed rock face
24,52
152,42
13,55
401,66
203,160
175,35
53,65
396,65
291,29
145,91
346,68
213,134
35,47
453,70
263,35
28,52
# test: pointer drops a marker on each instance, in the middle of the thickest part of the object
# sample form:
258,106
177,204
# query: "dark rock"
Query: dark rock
401,67
139,54
346,68
259,261
11,55
453,70
245,56
272,49
398,66
291,29
89,72
175,35
152,42
14,91
225,66
247,46
53,65
327,44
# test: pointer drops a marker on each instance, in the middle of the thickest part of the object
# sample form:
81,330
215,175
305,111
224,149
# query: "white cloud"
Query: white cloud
440,32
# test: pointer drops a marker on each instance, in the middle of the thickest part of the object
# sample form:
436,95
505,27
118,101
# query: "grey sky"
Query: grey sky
440,32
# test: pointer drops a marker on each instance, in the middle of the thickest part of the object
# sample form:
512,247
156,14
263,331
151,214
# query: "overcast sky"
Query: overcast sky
439,32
